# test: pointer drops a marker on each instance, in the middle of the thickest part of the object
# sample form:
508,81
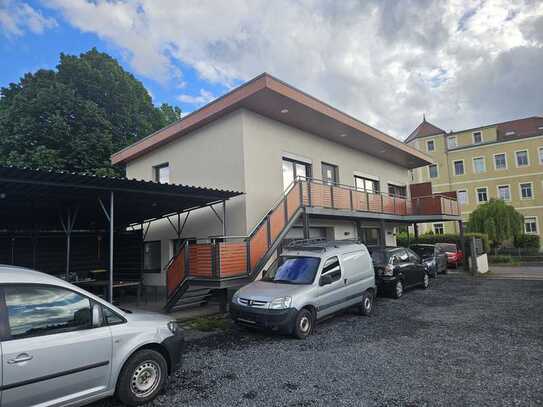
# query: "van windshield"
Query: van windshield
292,270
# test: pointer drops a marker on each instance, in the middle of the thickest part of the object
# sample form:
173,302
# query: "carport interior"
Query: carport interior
38,204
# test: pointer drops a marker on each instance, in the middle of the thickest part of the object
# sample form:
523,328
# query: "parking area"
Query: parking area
464,341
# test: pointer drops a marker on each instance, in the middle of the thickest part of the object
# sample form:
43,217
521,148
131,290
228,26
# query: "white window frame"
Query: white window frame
473,136
506,162
477,195
536,225
454,168
156,172
527,156
498,192
540,155
455,142
433,141
437,170
467,196
520,190
473,164
441,225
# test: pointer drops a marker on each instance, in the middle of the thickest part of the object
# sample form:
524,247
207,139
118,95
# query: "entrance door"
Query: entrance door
293,169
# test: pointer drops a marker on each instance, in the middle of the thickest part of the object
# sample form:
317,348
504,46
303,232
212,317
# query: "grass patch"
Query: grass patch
208,324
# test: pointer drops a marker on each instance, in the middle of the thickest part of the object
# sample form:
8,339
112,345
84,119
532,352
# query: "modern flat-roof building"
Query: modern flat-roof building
306,170
501,160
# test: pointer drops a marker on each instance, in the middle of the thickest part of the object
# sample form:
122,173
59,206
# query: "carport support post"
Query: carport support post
224,218
463,244
416,230
382,239
306,224
111,231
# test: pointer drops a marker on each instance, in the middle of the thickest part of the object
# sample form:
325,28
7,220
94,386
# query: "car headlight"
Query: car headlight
173,326
281,303
235,297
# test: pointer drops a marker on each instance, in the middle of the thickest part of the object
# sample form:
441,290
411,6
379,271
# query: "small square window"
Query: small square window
479,165
526,190
162,173
504,192
451,142
439,229
522,158
432,170
500,161
510,133
530,225
430,145
477,137
541,155
462,197
482,195
459,167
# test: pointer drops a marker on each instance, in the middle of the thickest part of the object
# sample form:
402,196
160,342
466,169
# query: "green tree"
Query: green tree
75,117
498,220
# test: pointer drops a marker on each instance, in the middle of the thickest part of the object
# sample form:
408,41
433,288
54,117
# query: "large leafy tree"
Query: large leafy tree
75,117
498,220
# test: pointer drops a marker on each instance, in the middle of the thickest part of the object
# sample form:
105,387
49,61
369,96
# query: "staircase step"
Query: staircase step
193,298
184,305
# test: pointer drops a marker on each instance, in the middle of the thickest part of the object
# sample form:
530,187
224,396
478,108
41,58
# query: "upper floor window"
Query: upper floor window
477,137
479,165
526,190
541,155
482,194
452,142
522,158
462,197
459,167
430,145
530,225
329,173
500,161
293,169
439,229
504,192
510,133
366,184
397,190
432,171
162,173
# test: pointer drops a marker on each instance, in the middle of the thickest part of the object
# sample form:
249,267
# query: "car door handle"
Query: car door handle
23,357
345,281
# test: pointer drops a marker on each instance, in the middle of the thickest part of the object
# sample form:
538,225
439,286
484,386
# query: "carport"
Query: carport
38,201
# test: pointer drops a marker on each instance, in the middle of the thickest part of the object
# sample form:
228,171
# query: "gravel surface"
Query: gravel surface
462,342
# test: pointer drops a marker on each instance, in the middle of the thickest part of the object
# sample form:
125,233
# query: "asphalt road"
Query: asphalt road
463,342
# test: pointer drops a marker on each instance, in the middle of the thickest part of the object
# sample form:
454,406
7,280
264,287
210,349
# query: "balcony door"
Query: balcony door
293,169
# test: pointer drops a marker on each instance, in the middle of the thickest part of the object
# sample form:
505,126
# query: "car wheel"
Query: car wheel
425,281
366,307
143,376
303,324
398,289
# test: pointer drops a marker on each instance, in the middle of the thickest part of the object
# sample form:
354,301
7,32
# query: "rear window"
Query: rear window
423,250
448,247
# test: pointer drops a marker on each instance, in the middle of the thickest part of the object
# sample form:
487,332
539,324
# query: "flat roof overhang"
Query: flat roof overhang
36,200
269,96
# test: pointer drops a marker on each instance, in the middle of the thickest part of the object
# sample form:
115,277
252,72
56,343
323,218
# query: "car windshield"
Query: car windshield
423,251
293,270
448,247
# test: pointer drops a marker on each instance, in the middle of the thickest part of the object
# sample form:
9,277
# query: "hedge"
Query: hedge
527,242
402,239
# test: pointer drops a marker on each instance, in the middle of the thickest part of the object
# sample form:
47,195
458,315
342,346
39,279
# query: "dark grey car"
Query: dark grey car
433,257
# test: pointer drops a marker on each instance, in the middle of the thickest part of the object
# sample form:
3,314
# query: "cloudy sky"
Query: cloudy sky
462,62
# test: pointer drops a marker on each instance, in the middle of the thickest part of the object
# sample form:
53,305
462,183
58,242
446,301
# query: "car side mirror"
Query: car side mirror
325,280
96,316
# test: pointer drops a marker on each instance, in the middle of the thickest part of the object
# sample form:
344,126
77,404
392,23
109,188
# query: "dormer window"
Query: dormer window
477,137
510,133
452,142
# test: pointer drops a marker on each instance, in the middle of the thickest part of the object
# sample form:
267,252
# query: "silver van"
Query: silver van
62,346
307,282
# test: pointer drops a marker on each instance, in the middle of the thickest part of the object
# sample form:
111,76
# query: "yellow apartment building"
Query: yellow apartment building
501,160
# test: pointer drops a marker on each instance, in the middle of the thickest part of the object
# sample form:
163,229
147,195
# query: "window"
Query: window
477,137
292,270
329,173
430,145
522,158
500,161
292,170
530,225
151,257
459,167
366,184
526,190
162,173
510,133
432,171
332,268
462,197
397,190
451,142
45,310
110,317
482,194
439,229
504,192
541,155
479,165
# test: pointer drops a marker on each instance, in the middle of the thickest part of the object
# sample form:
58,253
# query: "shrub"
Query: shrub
527,242
500,259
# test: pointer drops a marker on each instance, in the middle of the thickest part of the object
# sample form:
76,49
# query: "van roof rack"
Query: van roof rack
317,244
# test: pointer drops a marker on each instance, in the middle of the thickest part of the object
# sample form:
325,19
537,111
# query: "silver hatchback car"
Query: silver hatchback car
309,281
62,346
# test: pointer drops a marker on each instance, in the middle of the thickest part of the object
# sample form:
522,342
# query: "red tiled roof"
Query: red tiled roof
530,126
423,130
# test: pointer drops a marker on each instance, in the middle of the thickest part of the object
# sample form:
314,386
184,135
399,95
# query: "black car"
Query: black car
398,268
433,257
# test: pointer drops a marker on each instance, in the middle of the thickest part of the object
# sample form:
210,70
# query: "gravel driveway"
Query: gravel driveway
462,342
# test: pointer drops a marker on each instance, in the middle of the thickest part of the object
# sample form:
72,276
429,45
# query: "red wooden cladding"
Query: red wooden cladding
200,260
233,259
293,200
258,244
342,198
305,192
176,272
321,195
374,203
400,206
360,201
388,204
277,221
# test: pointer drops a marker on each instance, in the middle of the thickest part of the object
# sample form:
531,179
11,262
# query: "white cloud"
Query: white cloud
17,18
201,99
386,62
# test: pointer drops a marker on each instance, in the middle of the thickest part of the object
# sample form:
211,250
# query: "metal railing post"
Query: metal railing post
186,258
309,193
248,254
351,198
268,230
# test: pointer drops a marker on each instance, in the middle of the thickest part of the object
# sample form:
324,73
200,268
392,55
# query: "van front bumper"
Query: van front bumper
275,319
